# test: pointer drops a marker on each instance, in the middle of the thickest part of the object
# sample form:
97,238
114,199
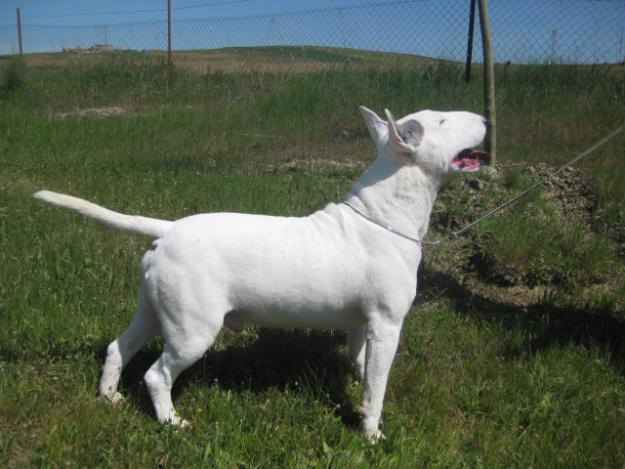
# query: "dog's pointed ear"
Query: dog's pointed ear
406,139
376,126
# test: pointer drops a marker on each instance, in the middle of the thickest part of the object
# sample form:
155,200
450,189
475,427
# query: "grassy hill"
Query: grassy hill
512,356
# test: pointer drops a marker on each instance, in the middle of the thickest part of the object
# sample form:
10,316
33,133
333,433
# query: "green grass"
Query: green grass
544,245
553,254
477,381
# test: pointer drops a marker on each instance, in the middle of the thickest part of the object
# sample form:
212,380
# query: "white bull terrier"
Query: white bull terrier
351,265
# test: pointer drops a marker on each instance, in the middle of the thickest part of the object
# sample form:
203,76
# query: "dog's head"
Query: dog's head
438,142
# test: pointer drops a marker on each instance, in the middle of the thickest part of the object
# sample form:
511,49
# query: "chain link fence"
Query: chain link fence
531,31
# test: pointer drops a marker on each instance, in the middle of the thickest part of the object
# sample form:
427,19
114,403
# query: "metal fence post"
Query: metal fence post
489,82
169,62
19,31
467,69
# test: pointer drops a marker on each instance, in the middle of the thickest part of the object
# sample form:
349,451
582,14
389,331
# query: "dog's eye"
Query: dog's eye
442,121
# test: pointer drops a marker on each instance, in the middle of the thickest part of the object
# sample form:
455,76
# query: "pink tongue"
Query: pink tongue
468,160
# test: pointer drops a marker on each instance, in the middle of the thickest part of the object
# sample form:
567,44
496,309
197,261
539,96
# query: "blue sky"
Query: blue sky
524,30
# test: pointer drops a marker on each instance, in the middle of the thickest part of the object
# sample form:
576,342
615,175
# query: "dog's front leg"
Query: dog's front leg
382,340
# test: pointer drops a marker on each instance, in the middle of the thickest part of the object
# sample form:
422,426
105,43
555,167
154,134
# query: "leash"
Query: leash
486,216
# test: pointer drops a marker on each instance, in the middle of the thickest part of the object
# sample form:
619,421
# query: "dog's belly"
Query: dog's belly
282,317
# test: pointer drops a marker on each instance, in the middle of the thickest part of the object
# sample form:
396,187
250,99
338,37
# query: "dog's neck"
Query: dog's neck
400,196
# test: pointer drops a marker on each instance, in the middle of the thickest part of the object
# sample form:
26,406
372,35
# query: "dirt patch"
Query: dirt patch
568,192
616,232
317,164
467,261
94,112
494,271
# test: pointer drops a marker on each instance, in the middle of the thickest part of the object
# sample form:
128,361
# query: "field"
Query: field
513,354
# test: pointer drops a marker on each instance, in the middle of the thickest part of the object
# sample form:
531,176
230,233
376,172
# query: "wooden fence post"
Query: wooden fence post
489,83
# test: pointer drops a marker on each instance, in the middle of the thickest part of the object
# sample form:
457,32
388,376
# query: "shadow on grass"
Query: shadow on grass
311,361
301,361
543,324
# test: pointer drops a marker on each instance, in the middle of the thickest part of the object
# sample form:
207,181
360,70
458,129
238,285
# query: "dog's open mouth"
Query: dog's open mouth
469,160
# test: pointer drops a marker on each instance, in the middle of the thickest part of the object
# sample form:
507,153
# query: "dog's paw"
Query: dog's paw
178,422
371,431
113,398
375,436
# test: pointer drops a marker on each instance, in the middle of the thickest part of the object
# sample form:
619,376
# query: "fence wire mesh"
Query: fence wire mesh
532,31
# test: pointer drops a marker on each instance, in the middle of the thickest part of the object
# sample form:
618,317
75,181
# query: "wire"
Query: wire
133,12
276,14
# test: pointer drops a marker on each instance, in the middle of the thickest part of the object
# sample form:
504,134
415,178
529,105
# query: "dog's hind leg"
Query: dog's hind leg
180,352
144,327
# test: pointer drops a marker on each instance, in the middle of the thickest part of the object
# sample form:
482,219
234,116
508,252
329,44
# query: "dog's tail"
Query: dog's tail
142,225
